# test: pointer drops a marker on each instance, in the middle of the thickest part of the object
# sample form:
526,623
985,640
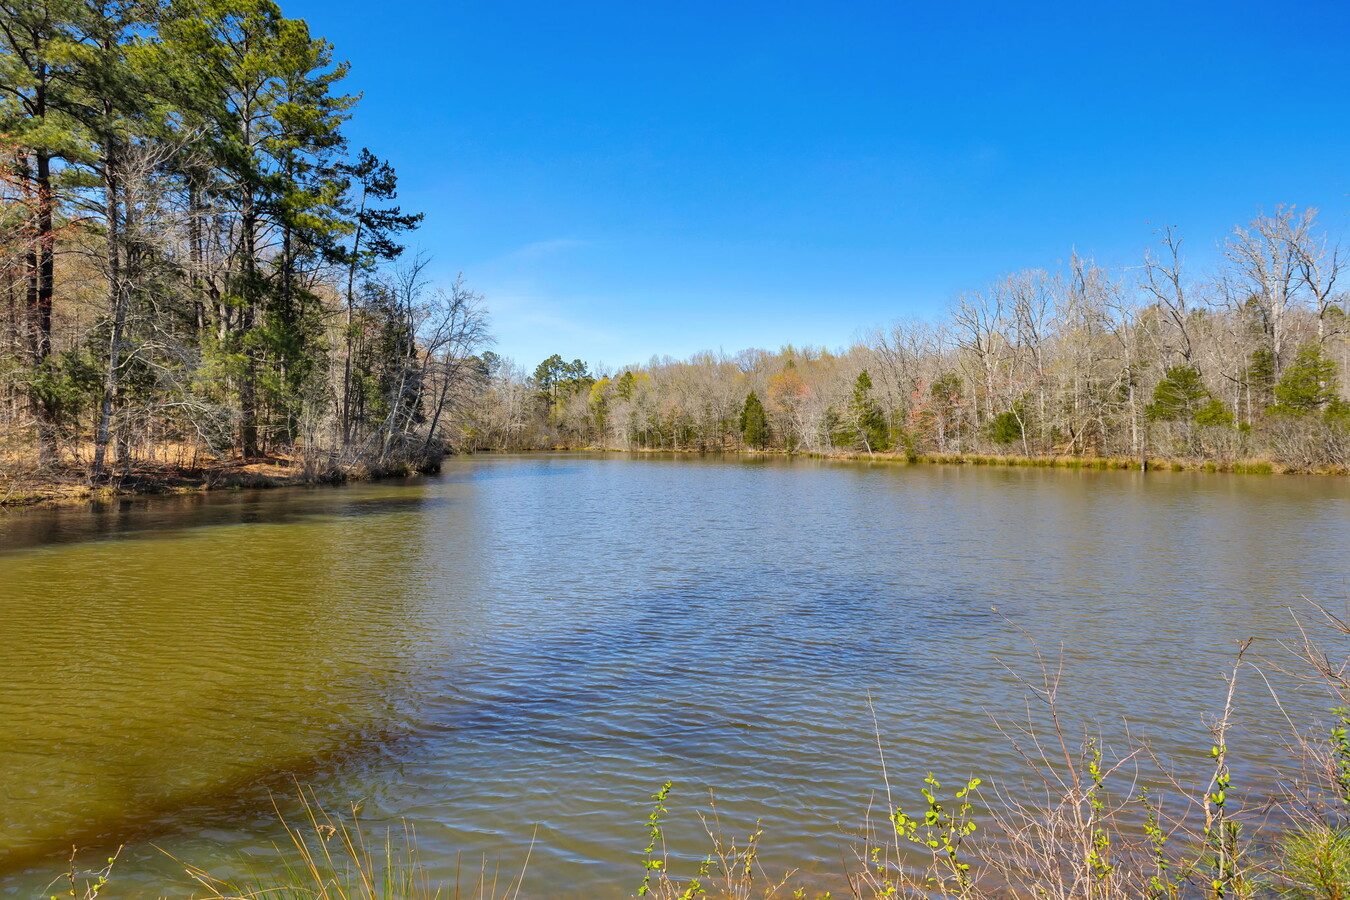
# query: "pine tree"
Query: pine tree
371,182
1006,427
1308,383
127,112
194,150
306,188
1179,396
38,91
754,423
866,422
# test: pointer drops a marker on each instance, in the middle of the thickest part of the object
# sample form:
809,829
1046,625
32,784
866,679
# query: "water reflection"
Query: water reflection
149,518
148,680
525,648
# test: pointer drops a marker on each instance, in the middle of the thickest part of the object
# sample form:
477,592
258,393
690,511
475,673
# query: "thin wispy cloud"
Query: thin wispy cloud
551,247
531,323
535,252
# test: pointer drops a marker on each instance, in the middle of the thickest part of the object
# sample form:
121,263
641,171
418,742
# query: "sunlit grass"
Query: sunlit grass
331,858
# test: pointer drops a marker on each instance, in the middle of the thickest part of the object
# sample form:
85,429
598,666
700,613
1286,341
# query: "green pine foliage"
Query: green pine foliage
1179,396
1261,376
1006,428
557,381
1214,415
754,423
1308,384
865,423
189,158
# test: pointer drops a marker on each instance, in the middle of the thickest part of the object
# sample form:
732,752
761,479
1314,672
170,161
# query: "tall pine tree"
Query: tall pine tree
754,423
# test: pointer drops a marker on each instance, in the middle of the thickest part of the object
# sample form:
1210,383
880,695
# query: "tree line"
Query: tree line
1241,362
194,259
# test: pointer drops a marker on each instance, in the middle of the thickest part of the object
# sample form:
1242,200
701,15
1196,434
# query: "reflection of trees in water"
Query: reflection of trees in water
154,683
153,518
597,635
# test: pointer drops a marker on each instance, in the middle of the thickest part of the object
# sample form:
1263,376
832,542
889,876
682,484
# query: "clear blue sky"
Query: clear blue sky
638,178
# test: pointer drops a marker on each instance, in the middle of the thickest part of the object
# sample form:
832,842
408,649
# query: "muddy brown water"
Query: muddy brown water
511,657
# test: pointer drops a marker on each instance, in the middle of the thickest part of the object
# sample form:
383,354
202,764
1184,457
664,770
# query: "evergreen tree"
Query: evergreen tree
235,47
370,182
557,381
187,158
1308,383
128,113
1179,396
39,93
1214,415
306,188
865,424
1261,376
1006,428
575,378
754,422
262,89
548,375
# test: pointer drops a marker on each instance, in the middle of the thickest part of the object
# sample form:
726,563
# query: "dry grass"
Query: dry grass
331,859
1080,823
181,469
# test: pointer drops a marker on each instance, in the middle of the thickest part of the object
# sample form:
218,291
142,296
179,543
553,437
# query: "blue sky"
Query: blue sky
624,180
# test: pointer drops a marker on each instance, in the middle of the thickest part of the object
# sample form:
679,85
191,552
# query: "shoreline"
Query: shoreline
1086,810
67,486
1251,466
70,485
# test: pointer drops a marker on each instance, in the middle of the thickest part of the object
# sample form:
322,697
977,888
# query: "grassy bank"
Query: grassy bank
71,484
1101,463
1118,463
26,487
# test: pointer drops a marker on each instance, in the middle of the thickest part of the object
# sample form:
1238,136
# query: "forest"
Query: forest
1153,362
196,265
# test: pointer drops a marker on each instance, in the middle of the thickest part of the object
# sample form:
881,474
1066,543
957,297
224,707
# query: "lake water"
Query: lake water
514,655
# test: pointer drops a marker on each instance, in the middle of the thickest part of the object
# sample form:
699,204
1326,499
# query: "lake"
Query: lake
514,655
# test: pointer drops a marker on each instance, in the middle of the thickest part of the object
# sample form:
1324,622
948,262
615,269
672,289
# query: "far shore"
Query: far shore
71,484
1101,463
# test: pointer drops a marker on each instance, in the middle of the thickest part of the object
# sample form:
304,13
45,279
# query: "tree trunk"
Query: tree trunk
117,308
345,419
248,389
42,287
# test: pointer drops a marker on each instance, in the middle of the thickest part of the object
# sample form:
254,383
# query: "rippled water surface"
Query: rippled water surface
521,650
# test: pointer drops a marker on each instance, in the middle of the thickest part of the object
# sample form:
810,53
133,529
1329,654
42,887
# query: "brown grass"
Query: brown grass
26,486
